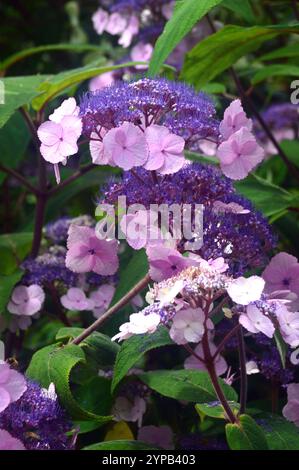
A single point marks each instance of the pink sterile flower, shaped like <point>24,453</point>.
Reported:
<point>7,442</point>
<point>188,326</point>
<point>59,140</point>
<point>102,298</point>
<point>141,53</point>
<point>289,325</point>
<point>116,24</point>
<point>192,362</point>
<point>125,410</point>
<point>239,154</point>
<point>88,253</point>
<point>244,290</point>
<point>138,325</point>
<point>100,20</point>
<point>75,299</point>
<point>217,265</point>
<point>26,300</point>
<point>126,146</point>
<point>231,207</point>
<point>291,409</point>
<point>234,118</point>
<point>101,81</point>
<point>161,436</point>
<point>140,228</point>
<point>255,321</point>
<point>67,108</point>
<point>166,262</point>
<point>282,273</point>
<point>166,150</point>
<point>12,385</point>
<point>129,32</point>
<point>96,147</point>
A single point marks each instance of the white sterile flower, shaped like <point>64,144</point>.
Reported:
<point>244,290</point>
<point>252,368</point>
<point>188,326</point>
<point>138,324</point>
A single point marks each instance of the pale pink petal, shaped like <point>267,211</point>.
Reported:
<point>7,442</point>
<point>49,133</point>
<point>4,399</point>
<point>100,19</point>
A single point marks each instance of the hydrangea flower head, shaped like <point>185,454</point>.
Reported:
<point>244,240</point>
<point>37,410</point>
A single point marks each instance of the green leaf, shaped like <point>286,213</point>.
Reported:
<point>134,349</point>
<point>291,50</point>
<point>7,284</point>
<point>134,271</point>
<point>55,364</point>
<point>13,142</point>
<point>18,91</point>
<point>215,411</point>
<point>280,434</point>
<point>96,346</point>
<point>95,396</point>
<point>93,179</point>
<point>221,50</point>
<point>60,82</point>
<point>285,70</point>
<point>214,88</point>
<point>120,445</point>
<point>189,385</point>
<point>12,59</point>
<point>266,197</point>
<point>242,8</point>
<point>13,247</point>
<point>185,16</point>
<point>291,148</point>
<point>245,435</point>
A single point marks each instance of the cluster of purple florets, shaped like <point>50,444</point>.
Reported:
<point>175,105</point>
<point>37,420</point>
<point>48,268</point>
<point>244,240</point>
<point>277,117</point>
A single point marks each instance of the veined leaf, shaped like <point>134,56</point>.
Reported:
<point>245,435</point>
<point>55,364</point>
<point>189,385</point>
<point>185,16</point>
<point>134,348</point>
<point>221,50</point>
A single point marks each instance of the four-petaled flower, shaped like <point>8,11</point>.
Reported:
<point>86,252</point>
